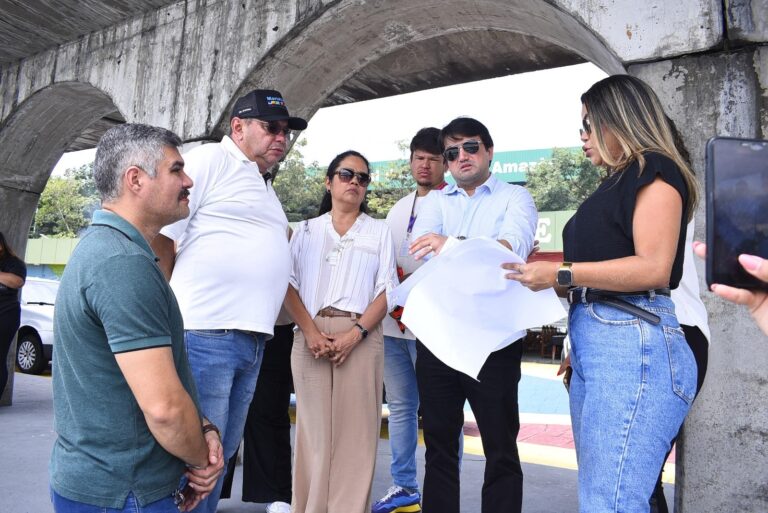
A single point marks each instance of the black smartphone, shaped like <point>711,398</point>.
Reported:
<point>737,208</point>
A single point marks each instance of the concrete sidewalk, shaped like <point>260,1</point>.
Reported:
<point>27,436</point>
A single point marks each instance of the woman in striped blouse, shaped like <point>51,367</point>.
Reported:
<point>343,267</point>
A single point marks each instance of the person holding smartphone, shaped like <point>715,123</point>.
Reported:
<point>755,300</point>
<point>634,376</point>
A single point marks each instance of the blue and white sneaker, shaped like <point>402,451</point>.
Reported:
<point>398,500</point>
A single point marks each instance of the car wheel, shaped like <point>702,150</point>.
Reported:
<point>29,354</point>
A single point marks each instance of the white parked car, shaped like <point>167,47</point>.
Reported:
<point>34,346</point>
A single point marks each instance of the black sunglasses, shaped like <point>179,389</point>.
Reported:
<point>274,128</point>
<point>452,153</point>
<point>346,175</point>
<point>586,125</point>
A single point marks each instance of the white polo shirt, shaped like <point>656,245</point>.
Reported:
<point>232,259</point>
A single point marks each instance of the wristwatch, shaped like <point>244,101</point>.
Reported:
<point>363,331</point>
<point>565,275</point>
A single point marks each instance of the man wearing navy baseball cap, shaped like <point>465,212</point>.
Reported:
<point>266,105</point>
<point>228,262</point>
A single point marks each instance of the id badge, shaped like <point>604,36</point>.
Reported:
<point>405,246</point>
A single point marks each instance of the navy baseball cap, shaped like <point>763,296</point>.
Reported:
<point>267,105</point>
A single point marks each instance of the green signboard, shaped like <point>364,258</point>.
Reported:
<point>550,229</point>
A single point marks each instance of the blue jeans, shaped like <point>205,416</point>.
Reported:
<point>632,386</point>
<point>403,402</point>
<point>225,364</point>
<point>64,505</point>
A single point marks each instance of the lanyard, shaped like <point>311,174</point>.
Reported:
<point>412,219</point>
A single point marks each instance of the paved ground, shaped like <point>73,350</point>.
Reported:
<point>546,448</point>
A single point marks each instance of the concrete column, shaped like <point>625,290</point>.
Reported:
<point>722,459</point>
<point>18,209</point>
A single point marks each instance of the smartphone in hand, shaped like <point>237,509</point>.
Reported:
<point>737,208</point>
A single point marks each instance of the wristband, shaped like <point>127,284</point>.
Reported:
<point>211,427</point>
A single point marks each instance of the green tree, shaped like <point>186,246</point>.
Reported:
<point>83,175</point>
<point>300,189</point>
<point>61,209</point>
<point>396,183</point>
<point>564,181</point>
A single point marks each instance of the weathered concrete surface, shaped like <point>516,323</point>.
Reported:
<point>180,65</point>
<point>723,457</point>
<point>31,26</point>
<point>652,30</point>
<point>761,69</point>
<point>747,20</point>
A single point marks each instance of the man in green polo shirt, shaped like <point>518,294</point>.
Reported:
<point>125,406</point>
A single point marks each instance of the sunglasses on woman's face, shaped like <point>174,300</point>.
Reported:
<point>452,153</point>
<point>586,125</point>
<point>346,175</point>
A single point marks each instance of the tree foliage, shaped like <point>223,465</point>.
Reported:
<point>562,182</point>
<point>61,209</point>
<point>66,204</point>
<point>396,183</point>
<point>300,189</point>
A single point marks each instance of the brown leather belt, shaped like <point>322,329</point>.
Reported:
<point>330,311</point>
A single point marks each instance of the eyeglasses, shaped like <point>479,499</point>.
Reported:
<point>274,128</point>
<point>452,153</point>
<point>586,125</point>
<point>346,175</point>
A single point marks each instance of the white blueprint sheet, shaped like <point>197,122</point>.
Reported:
<point>462,308</point>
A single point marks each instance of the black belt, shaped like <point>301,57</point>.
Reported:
<point>612,298</point>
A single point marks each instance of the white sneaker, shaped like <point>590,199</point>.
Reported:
<point>278,507</point>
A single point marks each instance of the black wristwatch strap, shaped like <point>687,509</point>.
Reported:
<point>363,331</point>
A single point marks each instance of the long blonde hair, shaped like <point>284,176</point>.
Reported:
<point>632,112</point>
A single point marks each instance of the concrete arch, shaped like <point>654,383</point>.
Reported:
<point>32,139</point>
<point>325,62</point>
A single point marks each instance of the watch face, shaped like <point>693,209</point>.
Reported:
<point>564,277</point>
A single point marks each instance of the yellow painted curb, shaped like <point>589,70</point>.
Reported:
<point>559,457</point>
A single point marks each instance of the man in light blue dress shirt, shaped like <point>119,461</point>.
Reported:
<point>477,206</point>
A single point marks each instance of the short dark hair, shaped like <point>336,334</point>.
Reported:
<point>327,202</point>
<point>466,127</point>
<point>428,140</point>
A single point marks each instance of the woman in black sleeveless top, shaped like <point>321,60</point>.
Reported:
<point>13,272</point>
<point>634,376</point>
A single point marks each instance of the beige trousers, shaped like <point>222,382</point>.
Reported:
<point>338,418</point>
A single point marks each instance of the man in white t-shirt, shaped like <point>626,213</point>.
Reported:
<point>230,264</point>
<point>428,170</point>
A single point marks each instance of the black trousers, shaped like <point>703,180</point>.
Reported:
<point>700,347</point>
<point>267,434</point>
<point>442,392</point>
<point>9,323</point>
